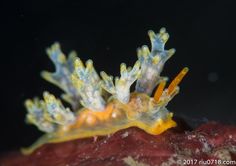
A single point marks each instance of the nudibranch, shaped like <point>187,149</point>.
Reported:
<point>101,105</point>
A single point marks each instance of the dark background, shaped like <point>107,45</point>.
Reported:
<point>109,32</point>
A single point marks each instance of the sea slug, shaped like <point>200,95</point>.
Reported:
<point>101,105</point>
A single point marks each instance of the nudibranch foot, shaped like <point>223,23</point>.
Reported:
<point>92,114</point>
<point>139,112</point>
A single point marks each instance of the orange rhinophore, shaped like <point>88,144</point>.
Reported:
<point>159,90</point>
<point>177,80</point>
<point>101,105</point>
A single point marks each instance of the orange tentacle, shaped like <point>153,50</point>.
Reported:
<point>159,90</point>
<point>177,80</point>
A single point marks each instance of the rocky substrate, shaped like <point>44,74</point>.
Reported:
<point>210,144</point>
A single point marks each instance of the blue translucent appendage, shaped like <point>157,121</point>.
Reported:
<point>152,62</point>
<point>121,89</point>
<point>56,112</point>
<point>87,83</point>
<point>37,115</point>
<point>61,77</point>
<point>47,114</point>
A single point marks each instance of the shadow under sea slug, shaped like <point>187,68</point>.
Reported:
<point>92,113</point>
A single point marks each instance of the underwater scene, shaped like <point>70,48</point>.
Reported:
<point>118,83</point>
